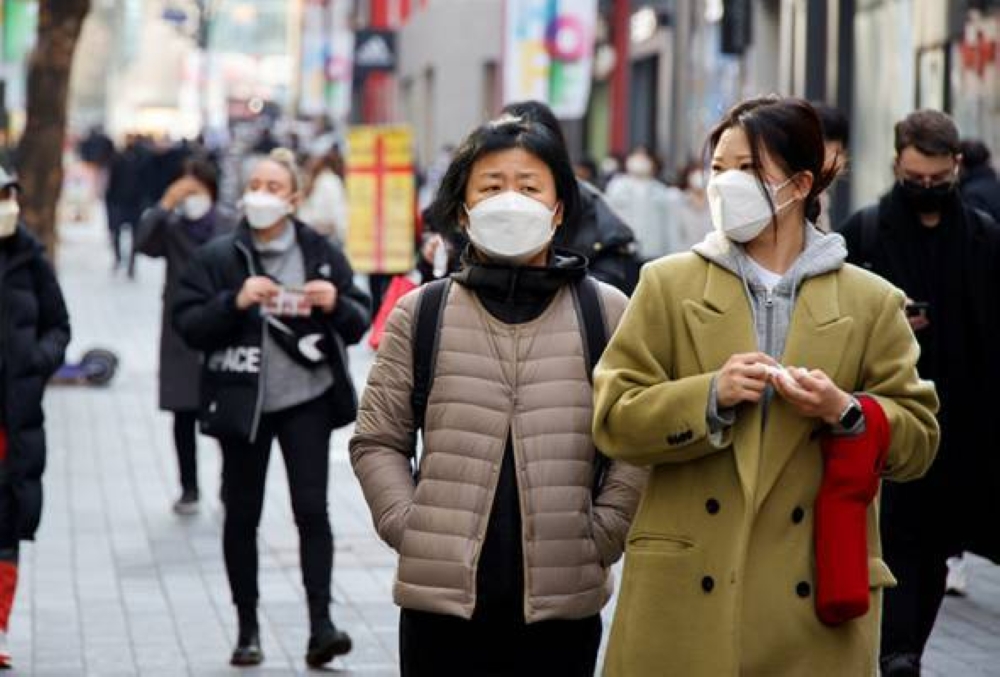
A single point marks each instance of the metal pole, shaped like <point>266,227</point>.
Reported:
<point>817,54</point>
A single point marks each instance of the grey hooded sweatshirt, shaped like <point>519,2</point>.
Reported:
<point>771,309</point>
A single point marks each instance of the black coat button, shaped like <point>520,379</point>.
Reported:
<point>712,506</point>
<point>798,515</point>
<point>803,589</point>
<point>707,584</point>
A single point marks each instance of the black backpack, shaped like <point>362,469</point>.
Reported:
<point>426,330</point>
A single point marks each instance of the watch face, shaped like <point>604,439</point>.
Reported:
<point>851,416</point>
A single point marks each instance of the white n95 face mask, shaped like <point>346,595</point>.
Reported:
<point>9,211</point>
<point>738,206</point>
<point>195,206</point>
<point>264,209</point>
<point>510,227</point>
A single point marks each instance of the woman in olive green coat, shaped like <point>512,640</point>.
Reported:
<point>729,366</point>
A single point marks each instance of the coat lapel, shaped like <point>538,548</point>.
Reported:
<point>817,338</point>
<point>720,325</point>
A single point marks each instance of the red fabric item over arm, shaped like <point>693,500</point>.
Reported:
<point>852,466</point>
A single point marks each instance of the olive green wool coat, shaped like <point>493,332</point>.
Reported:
<point>719,568</point>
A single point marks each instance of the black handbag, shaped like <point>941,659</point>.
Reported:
<point>305,340</point>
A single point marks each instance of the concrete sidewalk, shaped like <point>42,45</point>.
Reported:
<point>119,585</point>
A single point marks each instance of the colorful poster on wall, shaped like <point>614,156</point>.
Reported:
<point>549,53</point>
<point>312,64</point>
<point>19,21</point>
<point>326,59</point>
<point>381,194</point>
<point>339,70</point>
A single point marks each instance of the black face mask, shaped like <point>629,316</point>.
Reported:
<point>927,199</point>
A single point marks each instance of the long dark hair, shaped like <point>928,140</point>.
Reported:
<point>790,132</point>
<point>502,134</point>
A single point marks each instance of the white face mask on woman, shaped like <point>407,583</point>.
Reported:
<point>9,211</point>
<point>264,209</point>
<point>195,206</point>
<point>738,206</point>
<point>511,227</point>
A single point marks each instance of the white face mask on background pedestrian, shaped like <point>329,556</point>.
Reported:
<point>511,227</point>
<point>196,206</point>
<point>264,209</point>
<point>738,206</point>
<point>9,211</point>
<point>640,166</point>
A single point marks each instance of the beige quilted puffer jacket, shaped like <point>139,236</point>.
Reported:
<point>493,378</point>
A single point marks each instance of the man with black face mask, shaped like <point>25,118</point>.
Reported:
<point>945,255</point>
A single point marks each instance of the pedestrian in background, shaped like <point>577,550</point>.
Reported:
<point>980,189</point>
<point>978,180</point>
<point>648,206</point>
<point>273,307</point>
<point>33,340</point>
<point>187,216</point>
<point>836,140</point>
<point>945,255</point>
<point>124,199</point>
<point>324,203</point>
<point>505,536</point>
<point>721,567</point>
<point>586,170</point>
<point>693,218</point>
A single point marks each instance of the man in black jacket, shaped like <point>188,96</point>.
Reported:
<point>945,256</point>
<point>33,338</point>
<point>272,308</point>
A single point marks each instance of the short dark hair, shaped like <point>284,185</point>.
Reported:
<point>974,153</point>
<point>589,164</point>
<point>502,134</point>
<point>789,130</point>
<point>538,113</point>
<point>203,172</point>
<point>929,131</point>
<point>836,126</point>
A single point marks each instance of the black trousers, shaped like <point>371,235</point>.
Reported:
<point>9,541</point>
<point>916,544</point>
<point>119,219</point>
<point>185,427</point>
<point>303,433</point>
<point>378,284</point>
<point>434,645</point>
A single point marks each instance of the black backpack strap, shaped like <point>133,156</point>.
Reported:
<point>869,235</point>
<point>590,311</point>
<point>426,329</point>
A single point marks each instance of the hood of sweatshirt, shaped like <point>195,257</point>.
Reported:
<point>772,308</point>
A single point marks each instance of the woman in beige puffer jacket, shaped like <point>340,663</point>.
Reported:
<point>504,545</point>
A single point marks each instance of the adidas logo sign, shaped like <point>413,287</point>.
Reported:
<point>374,53</point>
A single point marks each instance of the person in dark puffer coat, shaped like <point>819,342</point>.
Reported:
<point>33,336</point>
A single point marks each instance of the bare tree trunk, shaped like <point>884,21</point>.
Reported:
<point>39,155</point>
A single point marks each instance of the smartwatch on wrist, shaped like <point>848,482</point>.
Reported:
<point>851,415</point>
